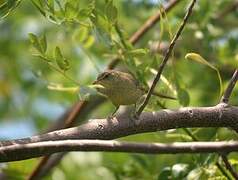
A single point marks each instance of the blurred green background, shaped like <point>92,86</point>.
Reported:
<point>86,35</point>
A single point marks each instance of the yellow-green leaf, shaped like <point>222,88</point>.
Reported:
<point>43,43</point>
<point>61,61</point>
<point>89,42</point>
<point>137,52</point>
<point>111,12</point>
<point>198,58</point>
<point>59,87</point>
<point>35,42</point>
<point>81,34</point>
<point>70,11</point>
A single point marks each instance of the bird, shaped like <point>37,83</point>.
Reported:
<point>121,88</point>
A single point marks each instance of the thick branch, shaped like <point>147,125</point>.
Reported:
<point>217,116</point>
<point>20,151</point>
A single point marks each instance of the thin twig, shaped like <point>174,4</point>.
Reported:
<point>166,57</point>
<point>223,171</point>
<point>225,98</point>
<point>229,167</point>
<point>151,21</point>
<point>42,162</point>
<point>227,10</point>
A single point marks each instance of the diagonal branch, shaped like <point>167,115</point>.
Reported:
<point>230,8</point>
<point>228,166</point>
<point>166,58</point>
<point>18,152</point>
<point>225,98</point>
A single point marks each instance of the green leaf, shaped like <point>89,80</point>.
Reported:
<point>36,43</point>
<point>199,59</point>
<point>81,34</point>
<point>101,23</point>
<point>233,161</point>
<point>165,174</point>
<point>61,61</point>
<point>39,7</point>
<point>43,43</point>
<point>60,87</point>
<point>111,12</point>
<point>70,11</point>
<point>176,136</point>
<point>179,171</point>
<point>51,5</point>
<point>183,97</point>
<point>196,57</point>
<point>89,42</point>
<point>196,174</point>
<point>86,12</point>
<point>137,52</point>
<point>7,7</point>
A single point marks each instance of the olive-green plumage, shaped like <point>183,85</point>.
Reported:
<point>120,87</point>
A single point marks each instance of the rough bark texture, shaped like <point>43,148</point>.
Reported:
<point>221,115</point>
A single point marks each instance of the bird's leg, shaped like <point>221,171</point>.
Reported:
<point>134,114</point>
<point>112,115</point>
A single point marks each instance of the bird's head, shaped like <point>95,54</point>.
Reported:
<point>106,80</point>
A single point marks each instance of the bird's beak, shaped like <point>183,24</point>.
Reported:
<point>96,85</point>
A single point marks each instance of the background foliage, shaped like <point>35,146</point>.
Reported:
<point>50,46</point>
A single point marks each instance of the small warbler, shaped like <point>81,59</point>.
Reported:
<point>121,88</point>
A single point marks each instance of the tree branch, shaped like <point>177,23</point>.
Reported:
<point>230,87</point>
<point>121,126</point>
<point>230,8</point>
<point>20,151</point>
<point>166,58</point>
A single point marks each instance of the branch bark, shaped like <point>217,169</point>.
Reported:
<point>221,115</point>
<point>20,151</point>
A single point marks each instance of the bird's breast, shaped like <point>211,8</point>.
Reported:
<point>124,95</point>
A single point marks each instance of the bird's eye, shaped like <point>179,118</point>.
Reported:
<point>106,76</point>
